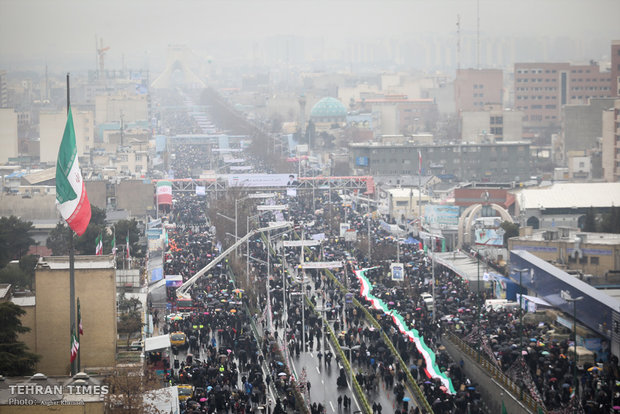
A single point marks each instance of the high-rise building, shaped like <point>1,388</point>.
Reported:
<point>541,89</point>
<point>8,134</point>
<point>615,68</point>
<point>611,143</point>
<point>52,126</point>
<point>474,89</point>
<point>4,91</point>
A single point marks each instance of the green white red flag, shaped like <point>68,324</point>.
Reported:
<point>75,345</point>
<point>164,192</point>
<point>99,245</point>
<point>71,198</point>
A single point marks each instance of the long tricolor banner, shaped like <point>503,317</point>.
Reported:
<point>432,370</point>
<point>164,192</point>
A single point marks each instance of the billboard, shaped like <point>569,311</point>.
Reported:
<point>174,280</point>
<point>361,161</point>
<point>261,180</point>
<point>442,215</point>
<point>489,237</point>
<point>398,271</point>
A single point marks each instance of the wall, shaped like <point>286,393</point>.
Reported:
<point>97,193</point>
<point>8,135</point>
<point>96,289</point>
<point>135,196</point>
<point>491,392</point>
<point>52,127</point>
<point>42,206</point>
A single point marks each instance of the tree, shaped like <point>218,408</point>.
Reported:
<point>122,227</point>
<point>14,239</point>
<point>511,229</point>
<point>15,359</point>
<point>85,244</point>
<point>590,220</point>
<point>127,389</point>
<point>58,240</point>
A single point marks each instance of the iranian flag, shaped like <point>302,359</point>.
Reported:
<point>80,327</point>
<point>164,192</point>
<point>71,198</point>
<point>75,345</point>
<point>99,245</point>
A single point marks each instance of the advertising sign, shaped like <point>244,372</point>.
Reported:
<point>361,161</point>
<point>343,228</point>
<point>441,215</point>
<point>398,271</point>
<point>489,237</point>
<point>350,235</point>
<point>261,180</point>
<point>174,280</point>
<point>320,265</point>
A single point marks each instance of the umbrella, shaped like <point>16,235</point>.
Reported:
<point>406,399</point>
<point>595,369</point>
<point>523,352</point>
<point>282,374</point>
<point>233,310</point>
<point>203,399</point>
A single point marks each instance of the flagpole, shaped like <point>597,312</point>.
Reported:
<point>71,258</point>
<point>78,334</point>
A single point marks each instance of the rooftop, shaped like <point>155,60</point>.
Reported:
<point>610,239</point>
<point>81,262</point>
<point>570,195</point>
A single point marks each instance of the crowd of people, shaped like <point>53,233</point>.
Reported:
<point>228,374</point>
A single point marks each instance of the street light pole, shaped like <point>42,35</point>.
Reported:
<point>564,294</point>
<point>521,305</point>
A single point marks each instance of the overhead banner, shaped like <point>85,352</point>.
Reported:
<point>291,192</point>
<point>275,207</point>
<point>489,237</point>
<point>164,192</point>
<point>240,168</point>
<point>261,180</point>
<point>343,228</point>
<point>262,195</point>
<point>300,243</point>
<point>200,190</point>
<point>320,265</point>
<point>398,271</point>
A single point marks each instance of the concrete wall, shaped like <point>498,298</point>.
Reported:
<point>8,135</point>
<point>40,206</point>
<point>135,196</point>
<point>96,289</point>
<point>97,193</point>
<point>491,391</point>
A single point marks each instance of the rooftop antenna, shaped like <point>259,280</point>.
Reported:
<point>458,42</point>
<point>478,34</point>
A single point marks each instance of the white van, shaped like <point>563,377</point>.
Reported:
<point>428,300</point>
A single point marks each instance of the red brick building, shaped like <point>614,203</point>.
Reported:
<point>542,88</point>
<point>615,68</point>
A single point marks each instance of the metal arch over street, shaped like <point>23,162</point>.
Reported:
<point>364,183</point>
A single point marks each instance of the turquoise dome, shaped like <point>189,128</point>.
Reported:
<point>328,109</point>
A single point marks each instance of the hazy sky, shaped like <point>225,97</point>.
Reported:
<point>52,30</point>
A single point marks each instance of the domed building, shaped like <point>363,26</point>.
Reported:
<point>328,111</point>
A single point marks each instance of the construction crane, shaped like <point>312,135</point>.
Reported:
<point>101,53</point>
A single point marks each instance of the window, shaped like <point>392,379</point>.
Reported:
<point>583,260</point>
<point>594,260</point>
<point>402,203</point>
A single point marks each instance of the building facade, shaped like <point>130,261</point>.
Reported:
<point>9,143</point>
<point>52,127</point>
<point>541,89</point>
<point>95,286</point>
<point>582,124</point>
<point>615,67</point>
<point>489,126</point>
<point>589,253</point>
<point>476,88</point>
<point>611,143</point>
<point>502,161</point>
